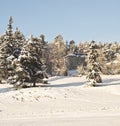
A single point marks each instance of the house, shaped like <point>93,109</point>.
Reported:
<point>72,61</point>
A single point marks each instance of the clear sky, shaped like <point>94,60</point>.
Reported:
<point>79,20</point>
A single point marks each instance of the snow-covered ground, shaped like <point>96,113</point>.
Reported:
<point>65,101</point>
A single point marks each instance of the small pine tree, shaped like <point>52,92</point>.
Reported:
<point>93,66</point>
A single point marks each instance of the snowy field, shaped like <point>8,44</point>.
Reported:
<point>65,101</point>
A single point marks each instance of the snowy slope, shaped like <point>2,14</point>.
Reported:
<point>65,98</point>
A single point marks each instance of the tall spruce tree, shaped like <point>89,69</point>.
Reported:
<point>6,50</point>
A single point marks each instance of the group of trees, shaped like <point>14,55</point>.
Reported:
<point>26,60</point>
<point>21,60</point>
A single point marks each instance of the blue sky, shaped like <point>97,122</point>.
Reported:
<point>79,20</point>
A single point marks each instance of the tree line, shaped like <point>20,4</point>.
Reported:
<point>31,59</point>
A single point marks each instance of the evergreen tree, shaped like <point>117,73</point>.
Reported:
<point>6,50</point>
<point>10,48</point>
<point>93,66</point>
<point>29,67</point>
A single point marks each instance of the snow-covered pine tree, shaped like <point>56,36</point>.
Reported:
<point>11,44</point>
<point>6,50</point>
<point>93,66</point>
<point>29,67</point>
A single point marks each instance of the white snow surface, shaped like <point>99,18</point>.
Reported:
<point>65,101</point>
